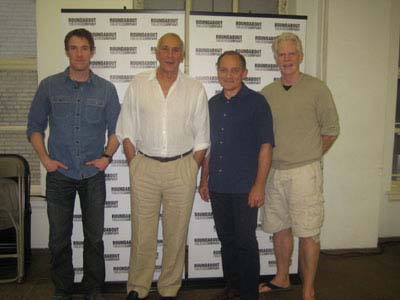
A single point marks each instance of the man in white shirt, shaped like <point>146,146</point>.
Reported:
<point>164,129</point>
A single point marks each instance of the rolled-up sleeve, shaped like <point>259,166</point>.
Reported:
<point>201,123</point>
<point>127,120</point>
<point>112,110</point>
<point>39,110</point>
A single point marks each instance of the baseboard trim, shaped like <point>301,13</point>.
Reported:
<point>373,250</point>
<point>385,240</point>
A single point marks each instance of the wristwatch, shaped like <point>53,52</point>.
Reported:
<point>108,156</point>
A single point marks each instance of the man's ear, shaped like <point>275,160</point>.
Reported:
<point>244,75</point>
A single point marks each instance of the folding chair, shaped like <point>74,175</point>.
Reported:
<point>12,210</point>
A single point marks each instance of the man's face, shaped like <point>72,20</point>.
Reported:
<point>231,73</point>
<point>170,54</point>
<point>79,54</point>
<point>288,58</point>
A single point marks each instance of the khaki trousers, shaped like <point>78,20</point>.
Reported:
<point>172,185</point>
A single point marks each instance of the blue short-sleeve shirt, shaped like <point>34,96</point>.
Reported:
<point>238,128</point>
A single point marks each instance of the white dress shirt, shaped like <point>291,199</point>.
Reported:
<point>164,126</point>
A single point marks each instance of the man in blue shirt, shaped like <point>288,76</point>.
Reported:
<point>234,173</point>
<point>80,107</point>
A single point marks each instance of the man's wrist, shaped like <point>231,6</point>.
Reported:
<point>109,157</point>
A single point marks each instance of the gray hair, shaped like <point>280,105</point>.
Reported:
<point>170,34</point>
<point>286,36</point>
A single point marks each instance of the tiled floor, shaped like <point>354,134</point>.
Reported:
<point>340,277</point>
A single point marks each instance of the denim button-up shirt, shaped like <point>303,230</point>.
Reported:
<point>78,114</point>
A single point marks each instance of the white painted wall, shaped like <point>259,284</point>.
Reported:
<point>389,217</point>
<point>50,40</point>
<point>361,70</point>
<point>39,224</point>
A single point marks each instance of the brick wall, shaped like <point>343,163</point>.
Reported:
<point>17,89</point>
<point>17,28</point>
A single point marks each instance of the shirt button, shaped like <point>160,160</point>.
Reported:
<point>220,157</point>
<point>220,171</point>
<point>224,115</point>
<point>222,129</point>
<point>221,142</point>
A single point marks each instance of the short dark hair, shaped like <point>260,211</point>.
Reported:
<point>235,53</point>
<point>82,33</point>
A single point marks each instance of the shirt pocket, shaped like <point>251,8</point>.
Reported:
<point>93,109</point>
<point>62,106</point>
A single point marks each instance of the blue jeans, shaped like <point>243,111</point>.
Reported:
<point>61,193</point>
<point>236,225</point>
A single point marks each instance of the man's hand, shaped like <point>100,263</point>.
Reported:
<point>256,196</point>
<point>53,165</point>
<point>100,163</point>
<point>203,191</point>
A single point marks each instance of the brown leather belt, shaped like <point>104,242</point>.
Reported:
<point>166,159</point>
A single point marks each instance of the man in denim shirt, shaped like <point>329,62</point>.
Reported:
<point>80,107</point>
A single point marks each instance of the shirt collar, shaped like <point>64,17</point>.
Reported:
<point>243,92</point>
<point>153,75</point>
<point>91,80</point>
<point>298,80</point>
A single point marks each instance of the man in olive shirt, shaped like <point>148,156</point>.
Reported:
<point>305,126</point>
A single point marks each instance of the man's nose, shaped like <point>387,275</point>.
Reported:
<point>169,52</point>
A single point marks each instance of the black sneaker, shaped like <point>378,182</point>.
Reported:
<point>133,295</point>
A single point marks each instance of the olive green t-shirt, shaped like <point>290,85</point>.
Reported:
<point>300,116</point>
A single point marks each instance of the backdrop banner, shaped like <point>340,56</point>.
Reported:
<point>125,45</point>
<point>210,35</point>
